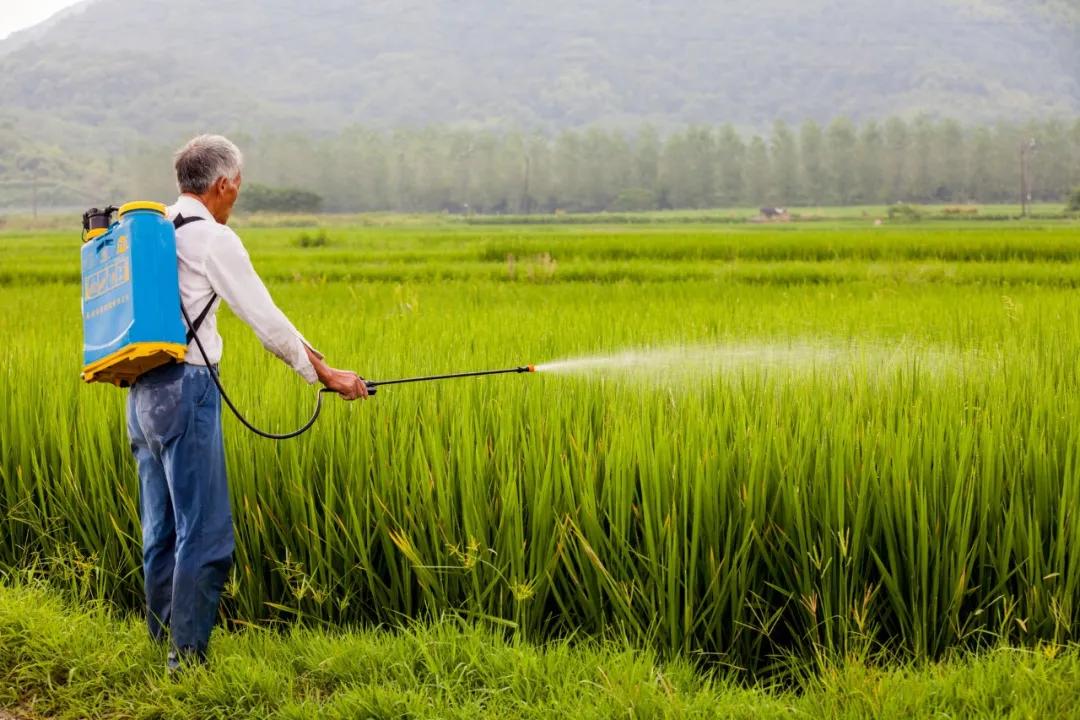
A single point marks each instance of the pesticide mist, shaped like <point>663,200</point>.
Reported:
<point>688,363</point>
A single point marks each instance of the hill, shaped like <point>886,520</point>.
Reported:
<point>157,69</point>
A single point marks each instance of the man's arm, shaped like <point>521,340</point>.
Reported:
<point>231,274</point>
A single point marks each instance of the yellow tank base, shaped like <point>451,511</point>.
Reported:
<point>124,366</point>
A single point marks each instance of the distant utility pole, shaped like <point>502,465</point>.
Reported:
<point>1027,148</point>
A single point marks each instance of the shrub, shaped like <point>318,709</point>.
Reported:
<point>1073,205</point>
<point>905,212</point>
<point>314,239</point>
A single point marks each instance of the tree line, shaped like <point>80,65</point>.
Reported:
<point>485,171</point>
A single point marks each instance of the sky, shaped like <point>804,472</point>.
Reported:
<point>19,14</point>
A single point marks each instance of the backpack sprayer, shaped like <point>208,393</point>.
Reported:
<point>133,320</point>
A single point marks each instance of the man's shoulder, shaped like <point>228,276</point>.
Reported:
<point>223,243</point>
<point>206,226</point>
<point>226,233</point>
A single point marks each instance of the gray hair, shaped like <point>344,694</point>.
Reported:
<point>203,160</point>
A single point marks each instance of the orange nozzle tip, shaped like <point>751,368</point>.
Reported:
<point>532,368</point>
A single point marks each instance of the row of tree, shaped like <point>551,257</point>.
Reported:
<point>842,163</point>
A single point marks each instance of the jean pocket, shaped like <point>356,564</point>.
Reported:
<point>204,388</point>
<point>160,406</point>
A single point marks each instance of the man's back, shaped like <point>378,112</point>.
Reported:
<point>213,263</point>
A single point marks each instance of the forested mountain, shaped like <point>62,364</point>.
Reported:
<point>108,77</point>
<point>137,68</point>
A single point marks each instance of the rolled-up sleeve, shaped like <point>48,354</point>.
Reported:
<point>233,277</point>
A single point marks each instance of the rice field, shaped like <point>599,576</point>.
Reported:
<point>747,446</point>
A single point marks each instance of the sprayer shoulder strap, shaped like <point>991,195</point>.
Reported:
<point>178,223</point>
<point>199,320</point>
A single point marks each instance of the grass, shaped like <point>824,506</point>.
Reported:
<point>750,517</point>
<point>63,660</point>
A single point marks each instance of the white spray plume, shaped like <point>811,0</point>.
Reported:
<point>686,362</point>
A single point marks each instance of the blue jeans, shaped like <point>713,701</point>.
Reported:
<point>174,422</point>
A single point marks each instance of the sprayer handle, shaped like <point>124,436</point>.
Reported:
<point>371,389</point>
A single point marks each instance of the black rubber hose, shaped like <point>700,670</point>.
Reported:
<point>371,387</point>
<point>224,396</point>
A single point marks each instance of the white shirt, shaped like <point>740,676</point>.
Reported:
<point>211,258</point>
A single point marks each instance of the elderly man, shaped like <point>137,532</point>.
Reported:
<point>174,412</point>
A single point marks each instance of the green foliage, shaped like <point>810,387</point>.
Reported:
<point>634,199</point>
<point>470,172</point>
<point>904,212</point>
<point>697,168</point>
<point>261,198</point>
<point>855,437</point>
<point>314,239</point>
<point>1073,204</point>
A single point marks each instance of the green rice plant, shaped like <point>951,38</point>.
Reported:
<point>883,462</point>
<point>1036,253</point>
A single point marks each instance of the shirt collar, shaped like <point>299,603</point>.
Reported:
<point>190,206</point>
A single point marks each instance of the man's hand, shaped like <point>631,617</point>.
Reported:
<point>345,383</point>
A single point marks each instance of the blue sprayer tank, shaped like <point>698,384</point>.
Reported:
<point>130,294</point>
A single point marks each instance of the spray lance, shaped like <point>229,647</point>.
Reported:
<point>372,388</point>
